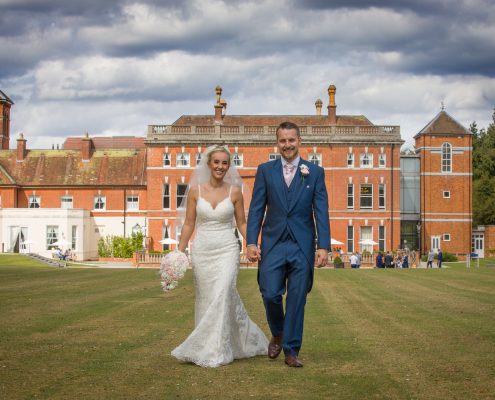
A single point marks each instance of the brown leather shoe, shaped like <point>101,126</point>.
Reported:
<point>275,347</point>
<point>293,361</point>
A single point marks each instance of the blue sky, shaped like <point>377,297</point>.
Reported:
<point>112,67</point>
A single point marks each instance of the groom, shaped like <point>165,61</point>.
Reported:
<point>292,192</point>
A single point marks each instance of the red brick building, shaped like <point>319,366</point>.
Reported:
<point>124,183</point>
<point>361,162</point>
<point>445,149</point>
<point>107,183</point>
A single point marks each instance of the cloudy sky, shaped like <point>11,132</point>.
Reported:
<point>112,67</point>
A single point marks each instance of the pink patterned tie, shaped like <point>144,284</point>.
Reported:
<point>288,170</point>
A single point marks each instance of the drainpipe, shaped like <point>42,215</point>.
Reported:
<point>392,203</point>
<point>125,207</point>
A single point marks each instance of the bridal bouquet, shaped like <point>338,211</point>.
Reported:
<point>172,269</point>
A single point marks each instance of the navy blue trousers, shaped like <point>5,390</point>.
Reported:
<point>285,269</point>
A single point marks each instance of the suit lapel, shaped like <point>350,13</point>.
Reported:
<point>279,182</point>
<point>298,184</point>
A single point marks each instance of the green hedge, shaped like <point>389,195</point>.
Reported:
<point>447,257</point>
<point>119,246</point>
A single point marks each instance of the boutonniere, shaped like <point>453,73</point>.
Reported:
<point>303,168</point>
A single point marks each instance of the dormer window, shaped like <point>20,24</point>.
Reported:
<point>34,202</point>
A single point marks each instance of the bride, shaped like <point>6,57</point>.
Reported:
<point>223,330</point>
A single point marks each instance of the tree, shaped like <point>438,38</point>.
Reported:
<point>484,173</point>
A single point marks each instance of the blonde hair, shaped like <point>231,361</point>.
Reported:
<point>218,149</point>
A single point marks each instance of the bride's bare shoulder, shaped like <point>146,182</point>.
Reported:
<point>236,192</point>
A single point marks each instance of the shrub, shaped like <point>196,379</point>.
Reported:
<point>447,257</point>
<point>337,260</point>
<point>366,253</point>
<point>119,246</point>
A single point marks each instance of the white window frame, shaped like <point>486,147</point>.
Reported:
<point>446,157</point>
<point>274,156</point>
<point>446,194</point>
<point>132,205</point>
<point>73,237</point>
<point>103,200</point>
<point>183,160</point>
<point>51,238</point>
<point>34,201</point>
<point>166,195</point>
<point>446,237</point>
<point>350,160</point>
<point>381,196</point>
<point>167,159</point>
<point>382,160</point>
<point>350,239</point>
<point>315,158</point>
<point>350,195</point>
<point>368,157</point>
<point>238,159</point>
<point>365,247</point>
<point>178,199</point>
<point>382,241</point>
<point>361,197</point>
<point>166,235</point>
<point>66,202</point>
<point>198,157</point>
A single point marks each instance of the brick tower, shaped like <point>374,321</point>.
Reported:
<point>445,149</point>
<point>5,104</point>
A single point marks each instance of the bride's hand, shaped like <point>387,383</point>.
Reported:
<point>253,253</point>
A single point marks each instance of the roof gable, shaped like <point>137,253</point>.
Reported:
<point>5,98</point>
<point>443,124</point>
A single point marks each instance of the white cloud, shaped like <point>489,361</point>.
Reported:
<point>145,62</point>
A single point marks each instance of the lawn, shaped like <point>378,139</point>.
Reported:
<point>369,334</point>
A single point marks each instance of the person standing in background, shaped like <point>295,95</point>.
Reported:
<point>440,258</point>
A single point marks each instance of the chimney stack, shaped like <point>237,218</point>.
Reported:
<point>5,104</point>
<point>21,148</point>
<point>220,106</point>
<point>332,108</point>
<point>319,105</point>
<point>87,145</point>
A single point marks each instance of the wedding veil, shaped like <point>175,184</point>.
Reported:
<point>201,174</point>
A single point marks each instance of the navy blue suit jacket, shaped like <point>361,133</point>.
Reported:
<point>306,216</point>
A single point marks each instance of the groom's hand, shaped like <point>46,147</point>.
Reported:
<point>321,258</point>
<point>253,253</point>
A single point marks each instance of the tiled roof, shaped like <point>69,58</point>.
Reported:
<point>65,167</point>
<point>272,120</point>
<point>443,124</point>
<point>4,97</point>
<point>112,142</point>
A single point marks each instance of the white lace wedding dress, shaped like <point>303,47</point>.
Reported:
<point>223,330</point>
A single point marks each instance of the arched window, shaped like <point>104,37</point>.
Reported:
<point>446,157</point>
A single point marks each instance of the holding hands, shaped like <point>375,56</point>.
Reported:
<point>253,253</point>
